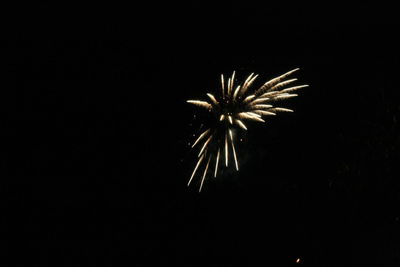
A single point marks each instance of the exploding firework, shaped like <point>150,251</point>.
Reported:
<point>231,109</point>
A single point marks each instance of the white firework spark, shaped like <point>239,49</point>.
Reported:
<point>234,106</point>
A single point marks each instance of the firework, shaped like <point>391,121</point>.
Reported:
<point>232,108</point>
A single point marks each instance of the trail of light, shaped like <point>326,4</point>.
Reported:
<point>271,94</point>
<point>248,98</point>
<point>213,99</point>
<point>233,149</point>
<point>252,114</point>
<point>283,109</point>
<point>294,88</point>
<point>230,119</point>
<point>216,164</point>
<point>195,168</point>
<point>267,86</point>
<point>284,96</point>
<point>236,92</point>
<point>241,124</point>
<point>222,86</point>
<point>226,149</point>
<point>205,172</point>
<point>229,87</point>
<point>259,100</point>
<point>245,86</point>
<point>281,84</point>
<point>199,103</point>
<point>245,115</point>
<point>232,82</point>
<point>252,80</point>
<point>201,136</point>
<point>255,118</point>
<point>263,112</point>
<point>205,144</point>
<point>222,117</point>
<point>247,80</point>
<point>261,106</point>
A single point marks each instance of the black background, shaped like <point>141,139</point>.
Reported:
<point>95,156</point>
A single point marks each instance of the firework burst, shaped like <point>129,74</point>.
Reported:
<point>232,108</point>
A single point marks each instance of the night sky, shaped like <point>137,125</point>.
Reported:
<point>95,130</point>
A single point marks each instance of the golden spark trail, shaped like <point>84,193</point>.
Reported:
<point>229,87</point>
<point>251,81</point>
<point>236,92</point>
<point>222,86</point>
<point>267,86</point>
<point>232,81</point>
<point>205,144</point>
<point>201,137</point>
<point>282,84</point>
<point>282,109</point>
<point>241,124</point>
<point>200,103</point>
<point>205,172</point>
<point>247,99</point>
<point>233,148</point>
<point>266,113</point>
<point>216,164</point>
<point>195,169</point>
<point>230,119</point>
<point>261,106</point>
<point>260,100</point>
<point>284,96</point>
<point>215,102</point>
<point>226,149</point>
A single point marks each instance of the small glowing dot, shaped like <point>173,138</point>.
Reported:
<point>298,260</point>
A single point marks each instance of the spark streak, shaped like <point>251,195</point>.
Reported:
<point>215,102</point>
<point>216,164</point>
<point>205,172</point>
<point>201,136</point>
<point>195,169</point>
<point>229,86</point>
<point>230,119</point>
<point>233,149</point>
<point>203,104</point>
<point>205,144</point>
<point>241,124</point>
<point>222,86</point>
<point>236,92</point>
<point>247,99</point>
<point>226,149</point>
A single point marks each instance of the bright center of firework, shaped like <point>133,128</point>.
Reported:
<point>232,107</point>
